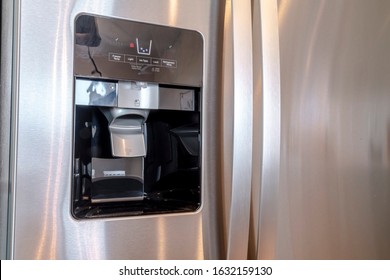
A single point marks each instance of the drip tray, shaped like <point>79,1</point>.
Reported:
<point>116,190</point>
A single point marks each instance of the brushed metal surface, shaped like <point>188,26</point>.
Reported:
<point>7,10</point>
<point>44,228</point>
<point>129,92</point>
<point>176,99</point>
<point>266,155</point>
<point>334,194</point>
<point>227,119</point>
<point>238,234</point>
<point>257,155</point>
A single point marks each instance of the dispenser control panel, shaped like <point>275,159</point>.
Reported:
<point>111,48</point>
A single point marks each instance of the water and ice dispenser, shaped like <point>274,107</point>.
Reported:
<point>137,118</point>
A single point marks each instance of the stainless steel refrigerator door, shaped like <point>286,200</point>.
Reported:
<point>266,128</point>
<point>240,118</point>
<point>5,120</point>
<point>44,227</point>
<point>333,200</point>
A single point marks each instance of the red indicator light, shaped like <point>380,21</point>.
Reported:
<point>132,45</point>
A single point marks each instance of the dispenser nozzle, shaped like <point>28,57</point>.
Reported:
<point>126,131</point>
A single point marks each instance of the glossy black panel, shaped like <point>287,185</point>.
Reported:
<point>125,50</point>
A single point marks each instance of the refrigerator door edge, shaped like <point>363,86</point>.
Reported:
<point>8,107</point>
<point>266,130</point>
<point>238,228</point>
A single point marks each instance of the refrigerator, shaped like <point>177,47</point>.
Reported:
<point>251,129</point>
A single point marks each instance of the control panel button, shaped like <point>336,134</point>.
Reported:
<point>169,63</point>
<point>143,60</point>
<point>117,57</point>
<point>156,61</point>
<point>130,59</point>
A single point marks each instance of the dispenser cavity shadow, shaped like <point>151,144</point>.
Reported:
<point>137,118</point>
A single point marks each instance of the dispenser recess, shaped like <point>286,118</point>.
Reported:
<point>137,112</point>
